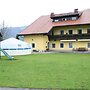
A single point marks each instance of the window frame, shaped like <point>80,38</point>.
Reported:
<point>61,45</point>
<point>88,32</point>
<point>70,45</point>
<point>34,45</point>
<point>69,31</point>
<point>88,44</point>
<point>79,30</point>
<point>61,32</point>
<point>53,45</point>
<point>74,18</point>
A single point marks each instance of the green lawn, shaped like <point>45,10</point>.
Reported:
<point>61,70</point>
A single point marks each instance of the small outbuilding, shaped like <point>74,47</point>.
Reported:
<point>15,47</point>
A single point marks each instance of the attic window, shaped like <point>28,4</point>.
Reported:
<point>64,19</point>
<point>74,18</point>
<point>55,20</point>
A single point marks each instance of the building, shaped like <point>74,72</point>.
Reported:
<point>15,47</point>
<point>63,32</point>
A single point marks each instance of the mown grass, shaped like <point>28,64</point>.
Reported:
<point>62,70</point>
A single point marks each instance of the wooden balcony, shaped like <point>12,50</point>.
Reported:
<point>69,37</point>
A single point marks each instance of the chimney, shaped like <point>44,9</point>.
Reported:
<point>75,10</point>
<point>51,15</point>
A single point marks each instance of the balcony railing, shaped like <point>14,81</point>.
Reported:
<point>69,36</point>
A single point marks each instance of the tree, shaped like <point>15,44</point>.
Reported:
<point>3,30</point>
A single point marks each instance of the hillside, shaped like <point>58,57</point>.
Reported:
<point>12,32</point>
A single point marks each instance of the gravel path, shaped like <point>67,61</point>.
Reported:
<point>20,89</point>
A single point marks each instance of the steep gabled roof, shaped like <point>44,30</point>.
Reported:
<point>44,23</point>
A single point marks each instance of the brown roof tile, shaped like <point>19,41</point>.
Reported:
<point>44,23</point>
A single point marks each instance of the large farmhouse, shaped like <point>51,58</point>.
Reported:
<point>65,31</point>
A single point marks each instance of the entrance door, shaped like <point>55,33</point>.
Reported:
<point>48,46</point>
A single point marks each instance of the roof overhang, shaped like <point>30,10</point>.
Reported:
<point>32,34</point>
<point>72,24</point>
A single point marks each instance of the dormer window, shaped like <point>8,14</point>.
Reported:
<point>65,16</point>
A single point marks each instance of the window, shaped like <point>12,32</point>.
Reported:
<point>61,45</point>
<point>70,31</point>
<point>62,32</point>
<point>33,45</point>
<point>88,30</point>
<point>70,45</point>
<point>53,45</point>
<point>64,19</point>
<point>56,20</point>
<point>69,18</point>
<point>48,45</point>
<point>74,18</point>
<point>79,31</point>
<point>89,45</point>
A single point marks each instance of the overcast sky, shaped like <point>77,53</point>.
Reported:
<point>24,12</point>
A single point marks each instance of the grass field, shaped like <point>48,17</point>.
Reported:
<point>61,70</point>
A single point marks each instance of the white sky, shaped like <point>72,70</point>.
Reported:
<point>24,12</point>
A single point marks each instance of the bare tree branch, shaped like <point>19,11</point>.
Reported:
<point>3,30</point>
